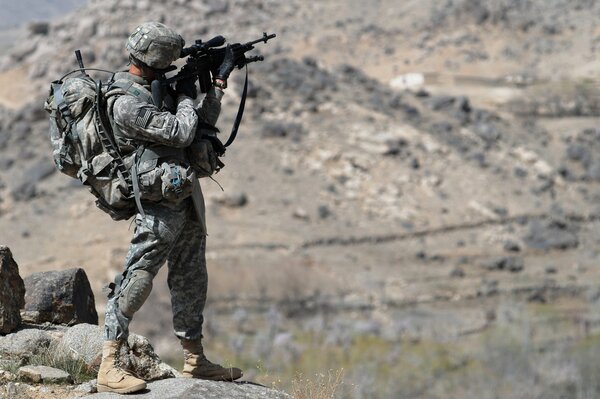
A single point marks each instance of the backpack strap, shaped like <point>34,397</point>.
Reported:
<point>136,90</point>
<point>133,89</point>
<point>108,141</point>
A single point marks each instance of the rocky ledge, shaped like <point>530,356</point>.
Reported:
<point>189,388</point>
<point>48,347</point>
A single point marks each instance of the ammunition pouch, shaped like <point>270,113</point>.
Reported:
<point>204,152</point>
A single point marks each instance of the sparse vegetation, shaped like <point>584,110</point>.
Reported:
<point>559,99</point>
<point>59,357</point>
<point>321,386</point>
<point>522,355</point>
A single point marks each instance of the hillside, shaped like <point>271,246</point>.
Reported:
<point>421,239</point>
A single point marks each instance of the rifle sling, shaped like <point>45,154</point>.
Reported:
<point>240,113</point>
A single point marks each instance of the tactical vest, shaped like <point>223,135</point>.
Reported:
<point>159,173</point>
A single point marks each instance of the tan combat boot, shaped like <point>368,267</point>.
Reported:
<point>112,378</point>
<point>198,366</point>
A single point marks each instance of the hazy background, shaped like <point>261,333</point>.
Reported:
<point>412,199</point>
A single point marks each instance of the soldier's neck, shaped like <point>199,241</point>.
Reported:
<point>142,72</point>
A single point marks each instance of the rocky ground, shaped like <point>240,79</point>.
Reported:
<point>422,231</point>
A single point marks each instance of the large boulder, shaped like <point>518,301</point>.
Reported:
<point>24,343</point>
<point>12,292</point>
<point>59,297</point>
<point>85,342</point>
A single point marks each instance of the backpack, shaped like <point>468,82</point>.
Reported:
<point>83,144</point>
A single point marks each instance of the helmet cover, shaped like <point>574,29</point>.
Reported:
<point>155,44</point>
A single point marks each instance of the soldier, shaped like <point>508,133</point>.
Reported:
<point>170,229</point>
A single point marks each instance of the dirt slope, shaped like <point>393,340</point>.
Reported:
<point>358,218</point>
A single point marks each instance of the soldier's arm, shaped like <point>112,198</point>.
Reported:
<point>210,108</point>
<point>141,121</point>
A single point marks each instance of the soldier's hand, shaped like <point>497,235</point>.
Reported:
<point>186,87</point>
<point>226,66</point>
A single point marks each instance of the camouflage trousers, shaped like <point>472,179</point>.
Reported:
<point>169,234</point>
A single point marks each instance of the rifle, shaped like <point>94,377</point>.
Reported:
<point>202,59</point>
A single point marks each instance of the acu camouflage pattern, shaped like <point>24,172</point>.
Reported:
<point>170,231</point>
<point>77,145</point>
<point>169,234</point>
<point>155,44</point>
<point>142,123</point>
<point>138,122</point>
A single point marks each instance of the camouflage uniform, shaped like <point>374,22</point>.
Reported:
<point>170,231</point>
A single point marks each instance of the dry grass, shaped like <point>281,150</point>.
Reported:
<point>59,357</point>
<point>323,386</point>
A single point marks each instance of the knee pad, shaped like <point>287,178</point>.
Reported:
<point>135,292</point>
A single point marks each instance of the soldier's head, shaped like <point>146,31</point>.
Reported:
<point>153,46</point>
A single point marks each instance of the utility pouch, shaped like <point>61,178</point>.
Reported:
<point>203,157</point>
<point>204,152</point>
<point>164,175</point>
<point>176,181</point>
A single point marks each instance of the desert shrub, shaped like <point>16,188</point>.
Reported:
<point>322,386</point>
<point>60,357</point>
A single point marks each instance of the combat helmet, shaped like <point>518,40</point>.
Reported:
<point>155,45</point>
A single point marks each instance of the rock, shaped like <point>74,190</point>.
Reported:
<point>593,172</point>
<point>87,387</point>
<point>6,375</point>
<point>488,288</point>
<point>12,292</point>
<point>59,297</point>
<point>488,132</point>
<point>438,103</point>
<point>139,356</point>
<point>520,172</point>
<point>537,296</point>
<point>457,272</point>
<point>550,270</point>
<point>200,389</point>
<point>283,129</point>
<point>216,7</point>
<point>551,234</point>
<point>87,27</point>
<point>21,129</point>
<point>236,200</point>
<point>38,172</point>
<point>38,28</point>
<point>85,342</point>
<point>323,211</point>
<point>31,112</point>
<point>300,213</point>
<point>24,342</point>
<point>511,263</point>
<point>24,192</point>
<point>45,374</point>
<point>11,390</point>
<point>511,246</point>
<point>578,152</point>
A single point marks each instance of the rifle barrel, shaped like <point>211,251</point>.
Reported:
<point>263,39</point>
